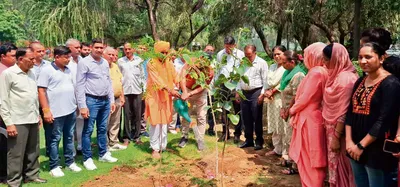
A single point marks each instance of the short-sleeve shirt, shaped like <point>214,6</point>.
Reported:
<point>60,89</point>
<point>133,75</point>
<point>38,68</point>
<point>116,79</point>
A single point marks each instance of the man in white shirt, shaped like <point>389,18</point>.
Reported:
<point>20,112</point>
<point>39,52</point>
<point>75,46</point>
<point>132,82</point>
<point>56,81</point>
<point>254,92</point>
<point>233,58</point>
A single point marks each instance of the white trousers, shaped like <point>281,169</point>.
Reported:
<point>158,137</point>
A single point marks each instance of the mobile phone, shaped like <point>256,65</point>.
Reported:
<point>391,147</point>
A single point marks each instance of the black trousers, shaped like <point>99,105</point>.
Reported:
<point>47,132</point>
<point>3,153</point>
<point>252,116</point>
<point>225,119</point>
<point>132,117</point>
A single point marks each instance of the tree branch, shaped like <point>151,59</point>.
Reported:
<point>324,28</point>
<point>193,36</point>
<point>262,38</point>
<point>139,6</point>
<point>197,6</point>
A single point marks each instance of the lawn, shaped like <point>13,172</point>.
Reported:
<point>135,156</point>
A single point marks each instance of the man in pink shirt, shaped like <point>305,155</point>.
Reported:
<point>7,59</point>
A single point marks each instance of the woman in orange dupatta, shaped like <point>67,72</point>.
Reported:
<point>337,94</point>
<point>308,146</point>
<point>161,81</point>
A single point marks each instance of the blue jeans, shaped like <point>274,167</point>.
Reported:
<point>99,110</point>
<point>369,177</point>
<point>62,126</point>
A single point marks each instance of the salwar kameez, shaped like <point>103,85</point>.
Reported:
<point>308,143</point>
<point>276,124</point>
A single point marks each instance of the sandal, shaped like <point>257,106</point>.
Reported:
<point>284,163</point>
<point>272,153</point>
<point>289,171</point>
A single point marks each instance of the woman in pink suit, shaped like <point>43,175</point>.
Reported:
<point>308,144</point>
<point>337,94</point>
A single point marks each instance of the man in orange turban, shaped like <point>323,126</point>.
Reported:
<point>161,81</point>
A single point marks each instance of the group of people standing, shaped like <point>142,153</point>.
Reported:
<point>333,124</point>
<point>324,119</point>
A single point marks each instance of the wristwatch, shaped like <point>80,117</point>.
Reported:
<point>360,146</point>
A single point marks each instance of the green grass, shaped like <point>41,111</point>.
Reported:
<point>135,156</point>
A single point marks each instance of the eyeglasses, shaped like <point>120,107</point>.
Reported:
<point>164,52</point>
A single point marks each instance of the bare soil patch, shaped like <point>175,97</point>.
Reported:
<point>242,167</point>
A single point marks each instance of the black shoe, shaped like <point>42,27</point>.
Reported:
<point>182,142</point>
<point>246,144</point>
<point>258,147</point>
<point>211,132</point>
<point>236,139</point>
<point>145,134</point>
<point>38,180</point>
<point>222,138</point>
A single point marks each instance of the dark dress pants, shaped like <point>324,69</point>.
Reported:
<point>132,117</point>
<point>252,117</point>
<point>23,154</point>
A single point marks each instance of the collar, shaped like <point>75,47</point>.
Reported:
<point>16,69</point>
<point>93,60</point>
<point>43,62</point>
<point>255,61</point>
<point>56,67</point>
<point>133,59</point>
<point>71,59</point>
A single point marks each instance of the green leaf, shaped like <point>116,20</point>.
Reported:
<point>234,118</point>
<point>245,79</point>
<point>231,86</point>
<point>240,92</point>
<point>218,110</point>
<point>228,105</point>
<point>240,70</point>
<point>186,57</point>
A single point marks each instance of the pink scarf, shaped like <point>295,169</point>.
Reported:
<point>314,62</point>
<point>338,89</point>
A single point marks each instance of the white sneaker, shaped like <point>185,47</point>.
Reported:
<point>173,131</point>
<point>89,165</point>
<point>74,168</point>
<point>57,172</point>
<point>117,147</point>
<point>107,158</point>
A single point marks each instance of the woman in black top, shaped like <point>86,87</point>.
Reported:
<point>372,117</point>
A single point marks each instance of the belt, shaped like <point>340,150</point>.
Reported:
<point>251,91</point>
<point>97,97</point>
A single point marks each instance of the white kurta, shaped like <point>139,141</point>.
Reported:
<point>275,123</point>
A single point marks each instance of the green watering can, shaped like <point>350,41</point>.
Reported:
<point>182,108</point>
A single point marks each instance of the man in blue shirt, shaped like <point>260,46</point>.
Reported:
<point>56,81</point>
<point>95,101</point>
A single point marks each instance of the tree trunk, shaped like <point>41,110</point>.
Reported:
<point>198,31</point>
<point>263,39</point>
<point>176,40</point>
<point>152,20</point>
<point>279,34</point>
<point>356,28</point>
<point>287,36</point>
